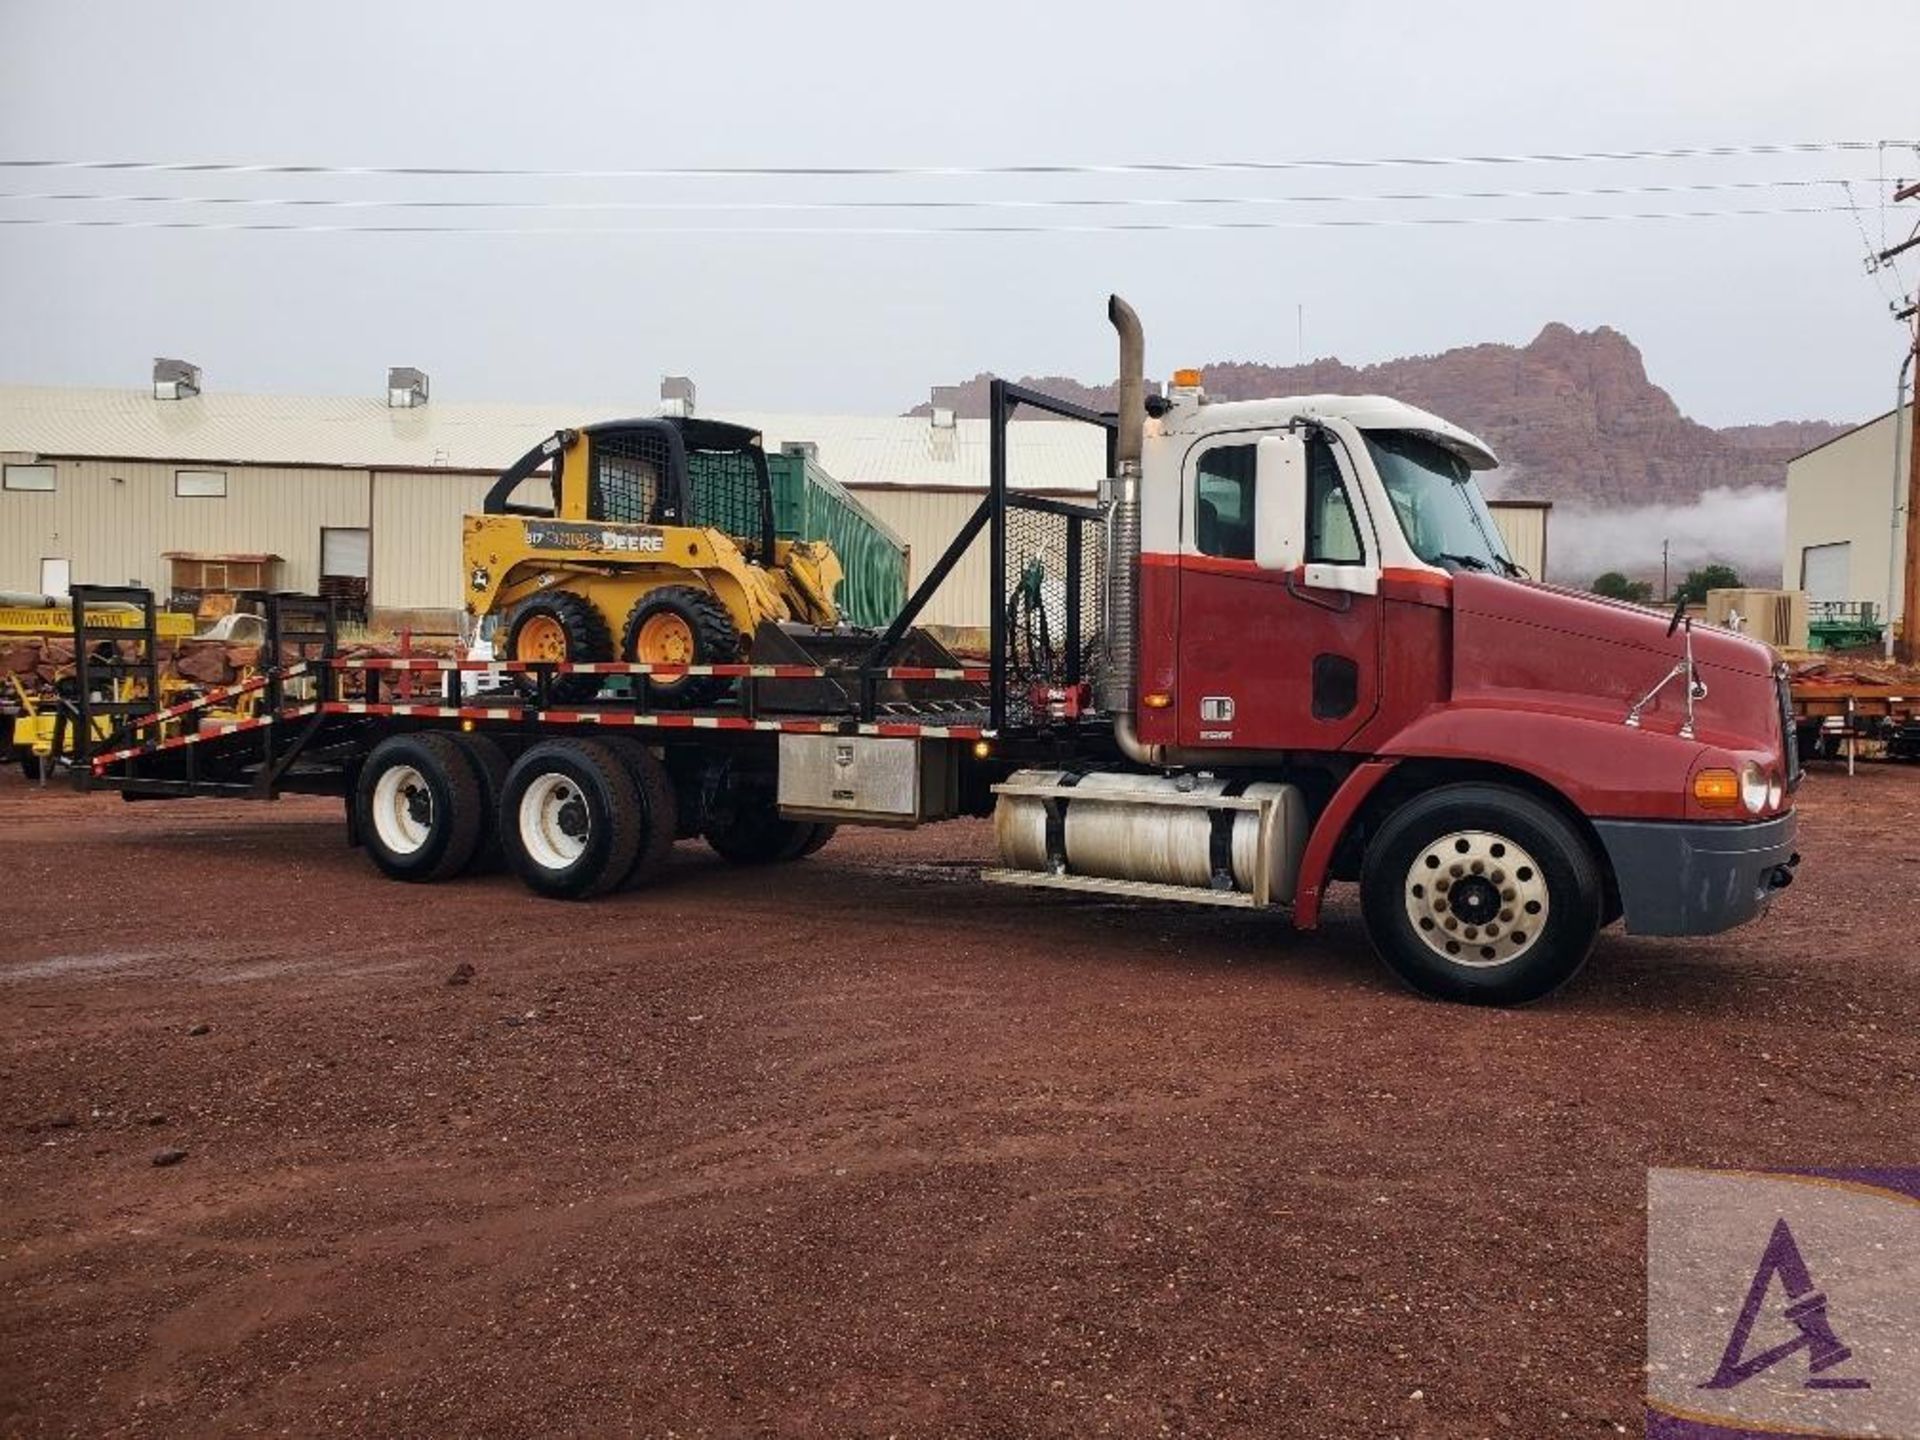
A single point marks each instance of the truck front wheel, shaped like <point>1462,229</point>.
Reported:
<point>1481,893</point>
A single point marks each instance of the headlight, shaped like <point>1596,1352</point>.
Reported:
<point>1753,787</point>
<point>1776,792</point>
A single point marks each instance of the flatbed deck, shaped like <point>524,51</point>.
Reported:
<point>196,725</point>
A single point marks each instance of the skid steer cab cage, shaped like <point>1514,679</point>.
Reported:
<point>669,471</point>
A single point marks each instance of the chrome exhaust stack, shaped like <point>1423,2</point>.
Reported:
<point>1119,678</point>
<point>1120,624</point>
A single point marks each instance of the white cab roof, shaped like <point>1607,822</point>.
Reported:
<point>1365,412</point>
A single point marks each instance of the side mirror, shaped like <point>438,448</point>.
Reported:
<point>1280,501</point>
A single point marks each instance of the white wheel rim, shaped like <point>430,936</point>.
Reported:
<point>1476,899</point>
<point>554,822</point>
<point>402,809</point>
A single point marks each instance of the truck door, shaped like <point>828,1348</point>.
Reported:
<point>1274,659</point>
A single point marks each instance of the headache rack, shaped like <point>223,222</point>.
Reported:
<point>1047,566</point>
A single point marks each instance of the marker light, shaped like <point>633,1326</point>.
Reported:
<point>981,749</point>
<point>1716,787</point>
<point>1187,379</point>
<point>1156,700</point>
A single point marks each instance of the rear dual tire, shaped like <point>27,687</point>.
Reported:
<point>578,818</point>
<point>422,806</point>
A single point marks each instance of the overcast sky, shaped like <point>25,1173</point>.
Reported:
<point>1743,319</point>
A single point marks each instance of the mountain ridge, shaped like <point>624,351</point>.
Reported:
<point>1572,415</point>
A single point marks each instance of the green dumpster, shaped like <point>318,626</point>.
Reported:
<point>809,504</point>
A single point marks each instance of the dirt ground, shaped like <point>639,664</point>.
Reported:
<point>860,1146</point>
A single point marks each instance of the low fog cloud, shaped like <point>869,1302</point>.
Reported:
<point>1741,528</point>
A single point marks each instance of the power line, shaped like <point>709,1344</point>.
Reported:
<point>1048,203</point>
<point>1149,167</point>
<point>1143,226</point>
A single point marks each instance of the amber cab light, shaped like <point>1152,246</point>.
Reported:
<point>1716,787</point>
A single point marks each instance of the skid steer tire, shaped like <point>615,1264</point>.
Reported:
<point>759,835</point>
<point>490,764</point>
<point>659,806</point>
<point>694,624</point>
<point>570,821</point>
<point>573,631</point>
<point>817,841</point>
<point>420,808</point>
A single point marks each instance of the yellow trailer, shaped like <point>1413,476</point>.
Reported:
<point>34,708</point>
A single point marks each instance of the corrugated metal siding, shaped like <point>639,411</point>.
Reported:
<point>114,519</point>
<point>1843,492</point>
<point>928,520</point>
<point>416,537</point>
<point>300,430</point>
<point>1524,528</point>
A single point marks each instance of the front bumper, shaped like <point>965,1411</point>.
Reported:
<point>1697,877</point>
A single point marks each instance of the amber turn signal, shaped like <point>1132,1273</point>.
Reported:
<point>1716,787</point>
<point>1156,700</point>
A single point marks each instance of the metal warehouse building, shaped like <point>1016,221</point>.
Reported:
<point>112,486</point>
<point>1846,519</point>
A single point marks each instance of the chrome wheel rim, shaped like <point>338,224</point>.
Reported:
<point>554,823</point>
<point>1476,899</point>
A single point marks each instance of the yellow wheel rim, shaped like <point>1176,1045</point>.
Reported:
<point>664,639</point>
<point>541,638</point>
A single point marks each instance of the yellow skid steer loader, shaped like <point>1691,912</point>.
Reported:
<point>657,545</point>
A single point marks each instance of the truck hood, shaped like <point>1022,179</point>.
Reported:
<point>1529,644</point>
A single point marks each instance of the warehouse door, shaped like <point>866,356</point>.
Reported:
<point>346,562</point>
<point>1824,571</point>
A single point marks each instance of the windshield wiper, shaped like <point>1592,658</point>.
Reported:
<point>1465,562</point>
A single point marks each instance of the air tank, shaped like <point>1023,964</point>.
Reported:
<point>1112,831</point>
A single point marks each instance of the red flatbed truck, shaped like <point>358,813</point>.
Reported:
<point>1286,647</point>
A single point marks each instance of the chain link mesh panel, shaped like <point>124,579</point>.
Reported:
<point>629,477</point>
<point>1050,598</point>
<point>725,493</point>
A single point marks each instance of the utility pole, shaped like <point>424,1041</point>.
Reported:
<point>1666,592</point>
<point>1908,650</point>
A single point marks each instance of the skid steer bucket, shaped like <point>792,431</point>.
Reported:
<point>841,651</point>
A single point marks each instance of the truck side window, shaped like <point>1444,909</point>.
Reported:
<point>1223,502</point>
<point>1333,535</point>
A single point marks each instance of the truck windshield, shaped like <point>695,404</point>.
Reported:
<point>1440,508</point>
